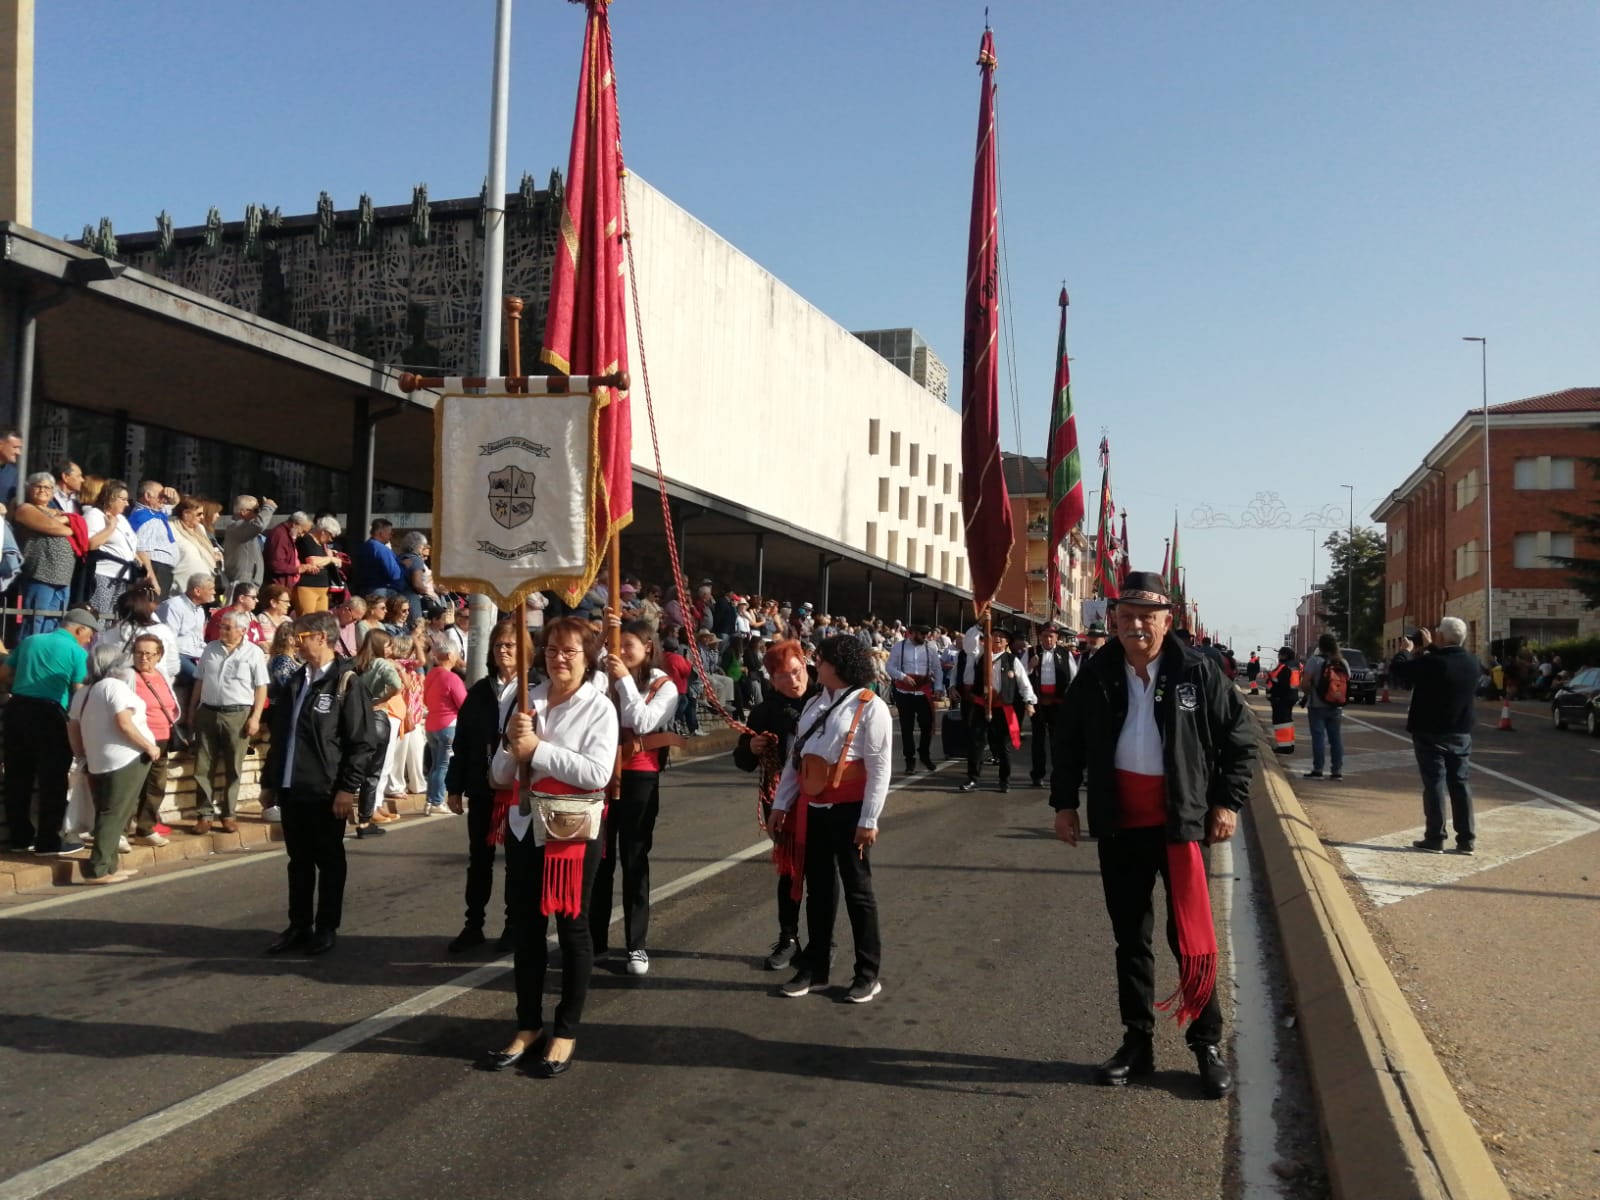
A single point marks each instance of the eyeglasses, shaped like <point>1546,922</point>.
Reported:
<point>558,653</point>
<point>502,646</point>
<point>303,634</point>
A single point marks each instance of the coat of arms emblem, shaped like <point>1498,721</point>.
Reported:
<point>510,496</point>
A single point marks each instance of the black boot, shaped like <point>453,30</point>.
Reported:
<point>1136,1056</point>
<point>1216,1081</point>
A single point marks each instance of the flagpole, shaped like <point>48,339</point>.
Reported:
<point>480,618</point>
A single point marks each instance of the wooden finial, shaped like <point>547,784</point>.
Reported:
<point>513,306</point>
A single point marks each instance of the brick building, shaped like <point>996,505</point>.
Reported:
<point>1025,585</point>
<point>1435,529</point>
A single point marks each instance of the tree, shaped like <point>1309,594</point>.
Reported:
<point>1363,556</point>
<point>1585,528</point>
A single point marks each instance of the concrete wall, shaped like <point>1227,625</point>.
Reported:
<point>763,399</point>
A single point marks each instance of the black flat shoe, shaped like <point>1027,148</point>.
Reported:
<point>549,1068</point>
<point>291,938</point>
<point>507,942</point>
<point>1136,1056</point>
<point>465,940</point>
<point>1216,1081</point>
<point>499,1060</point>
<point>322,941</point>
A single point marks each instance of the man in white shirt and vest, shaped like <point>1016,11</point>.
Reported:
<point>917,677</point>
<point>991,703</point>
<point>1052,672</point>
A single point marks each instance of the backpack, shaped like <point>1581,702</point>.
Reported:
<point>1333,684</point>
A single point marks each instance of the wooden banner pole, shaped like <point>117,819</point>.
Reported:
<point>513,316</point>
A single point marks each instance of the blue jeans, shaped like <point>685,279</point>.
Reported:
<point>439,743</point>
<point>46,596</point>
<point>1327,731</point>
<point>1444,761</point>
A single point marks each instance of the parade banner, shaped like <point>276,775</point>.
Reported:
<point>514,507</point>
<point>1063,467</point>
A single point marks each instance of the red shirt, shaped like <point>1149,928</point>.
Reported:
<point>159,703</point>
<point>442,692</point>
<point>678,670</point>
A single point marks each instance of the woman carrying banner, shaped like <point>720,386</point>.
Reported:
<point>825,814</point>
<point>550,825</point>
<point>646,702</point>
<point>773,725</point>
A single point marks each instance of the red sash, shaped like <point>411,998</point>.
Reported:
<point>789,851</point>
<point>561,892</point>
<point>1142,804</point>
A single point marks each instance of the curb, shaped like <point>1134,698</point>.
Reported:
<point>1392,1126</point>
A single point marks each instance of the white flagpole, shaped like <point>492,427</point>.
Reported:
<point>481,612</point>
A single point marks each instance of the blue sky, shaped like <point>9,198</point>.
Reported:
<point>1276,221</point>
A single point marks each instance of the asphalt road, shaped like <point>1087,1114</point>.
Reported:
<point>969,1076</point>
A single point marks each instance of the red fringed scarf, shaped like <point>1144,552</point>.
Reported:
<point>561,894</point>
<point>1143,803</point>
<point>789,850</point>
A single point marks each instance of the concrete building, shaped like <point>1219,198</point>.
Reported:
<point>906,349</point>
<point>1435,528</point>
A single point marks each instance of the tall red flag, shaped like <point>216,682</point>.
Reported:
<point>585,329</point>
<point>1105,570</point>
<point>985,504</point>
<point>1124,562</point>
<point>1063,467</point>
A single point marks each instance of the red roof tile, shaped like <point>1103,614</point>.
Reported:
<point>1583,399</point>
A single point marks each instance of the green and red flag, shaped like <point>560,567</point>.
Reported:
<point>1105,567</point>
<point>1124,559</point>
<point>1175,578</point>
<point>586,326</point>
<point>985,504</point>
<point>1063,466</point>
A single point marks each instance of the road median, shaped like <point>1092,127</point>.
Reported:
<point>1392,1125</point>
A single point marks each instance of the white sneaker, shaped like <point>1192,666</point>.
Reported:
<point>122,846</point>
<point>152,839</point>
<point>638,962</point>
<point>271,814</point>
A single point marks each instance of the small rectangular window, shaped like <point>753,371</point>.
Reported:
<point>922,512</point>
<point>927,560</point>
<point>1561,473</point>
<point>938,520</point>
<point>891,550</point>
<point>883,493</point>
<point>905,504</point>
<point>944,565</point>
<point>911,553</point>
<point>894,449</point>
<point>915,465</point>
<point>872,436</point>
<point>932,460</point>
<point>872,537</point>
<point>948,471</point>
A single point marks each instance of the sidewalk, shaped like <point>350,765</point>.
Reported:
<point>1496,952</point>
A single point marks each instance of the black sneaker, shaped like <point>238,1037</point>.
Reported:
<point>802,985</point>
<point>1311,775</point>
<point>1337,775</point>
<point>1005,786</point>
<point>507,942</point>
<point>783,952</point>
<point>927,763</point>
<point>970,785</point>
<point>1038,781</point>
<point>469,937</point>
<point>862,991</point>
<point>911,766</point>
<point>1465,848</point>
<point>1429,845</point>
<point>1135,1057</point>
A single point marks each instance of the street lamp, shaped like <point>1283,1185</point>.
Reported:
<point>1488,528</point>
<point>1350,570</point>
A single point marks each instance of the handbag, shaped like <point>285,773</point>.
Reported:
<point>178,738</point>
<point>569,818</point>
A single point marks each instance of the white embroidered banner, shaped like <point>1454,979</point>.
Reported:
<point>513,506</point>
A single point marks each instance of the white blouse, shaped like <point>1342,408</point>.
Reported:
<point>646,716</point>
<point>871,745</point>
<point>577,743</point>
<point>121,548</point>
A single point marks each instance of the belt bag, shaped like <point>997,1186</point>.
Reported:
<point>817,774</point>
<point>568,818</point>
<point>633,744</point>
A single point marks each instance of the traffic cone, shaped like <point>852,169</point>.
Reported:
<point>1384,698</point>
<point>1505,717</point>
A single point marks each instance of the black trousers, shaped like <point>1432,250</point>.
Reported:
<point>314,838</point>
<point>367,804</point>
<point>1045,719</point>
<point>916,710</point>
<point>987,732</point>
<point>480,861</point>
<point>37,754</point>
<point>630,832</point>
<point>788,906</point>
<point>831,854</point>
<point>524,886</point>
<point>1130,861</point>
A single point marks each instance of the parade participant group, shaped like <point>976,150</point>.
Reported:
<point>570,785</point>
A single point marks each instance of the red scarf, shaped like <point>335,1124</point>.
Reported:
<point>789,850</point>
<point>561,893</point>
<point>1142,801</point>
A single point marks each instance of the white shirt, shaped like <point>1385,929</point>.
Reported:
<point>1139,746</point>
<point>123,634</point>
<point>121,547</point>
<point>229,677</point>
<point>646,716</point>
<point>105,747</point>
<point>871,745</point>
<point>1047,670</point>
<point>996,677</point>
<point>187,620</point>
<point>908,658</point>
<point>577,744</point>
<point>157,539</point>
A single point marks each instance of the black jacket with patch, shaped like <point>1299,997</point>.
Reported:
<point>335,735</point>
<point>1206,740</point>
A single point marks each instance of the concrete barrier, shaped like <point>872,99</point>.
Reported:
<point>1392,1125</point>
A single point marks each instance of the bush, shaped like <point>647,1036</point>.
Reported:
<point>1574,652</point>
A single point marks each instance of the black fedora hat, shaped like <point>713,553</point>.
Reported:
<point>1146,589</point>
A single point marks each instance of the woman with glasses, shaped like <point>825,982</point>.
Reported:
<point>272,610</point>
<point>114,549</point>
<point>48,560</point>
<point>550,775</point>
<point>380,679</point>
<point>160,714</point>
<point>479,725</point>
<point>106,727</point>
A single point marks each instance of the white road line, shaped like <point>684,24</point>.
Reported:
<point>1479,768</point>
<point>109,1147</point>
<point>1254,1030</point>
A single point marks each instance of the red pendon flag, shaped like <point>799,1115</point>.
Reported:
<point>1124,565</point>
<point>985,505</point>
<point>585,330</point>
<point>1105,567</point>
<point>1064,468</point>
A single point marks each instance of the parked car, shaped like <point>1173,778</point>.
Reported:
<point>1577,702</point>
<point>1363,683</point>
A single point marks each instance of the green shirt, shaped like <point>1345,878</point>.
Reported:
<point>46,666</point>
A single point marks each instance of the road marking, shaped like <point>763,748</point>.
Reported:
<point>1390,870</point>
<point>1378,760</point>
<point>1259,1081</point>
<point>109,1147</point>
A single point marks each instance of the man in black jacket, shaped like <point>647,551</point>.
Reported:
<point>1051,674</point>
<point>323,740</point>
<point>1164,742</point>
<point>1443,679</point>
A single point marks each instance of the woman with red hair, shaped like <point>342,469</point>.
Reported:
<point>773,723</point>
